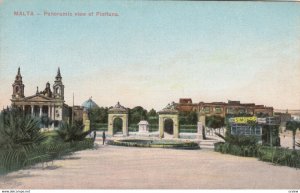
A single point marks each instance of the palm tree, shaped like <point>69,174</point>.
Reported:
<point>18,129</point>
<point>293,126</point>
<point>69,132</point>
<point>20,138</point>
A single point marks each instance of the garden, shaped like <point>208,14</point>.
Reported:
<point>268,151</point>
<point>22,144</point>
<point>99,117</point>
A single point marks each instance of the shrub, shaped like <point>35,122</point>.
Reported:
<point>238,145</point>
<point>22,144</point>
<point>280,156</point>
<point>241,140</point>
<point>155,143</point>
<point>69,132</point>
<point>218,146</point>
<point>275,155</point>
<point>227,148</point>
<point>19,130</point>
<point>13,159</point>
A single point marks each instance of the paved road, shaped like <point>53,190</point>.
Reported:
<point>113,167</point>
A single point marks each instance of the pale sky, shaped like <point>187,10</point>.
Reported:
<point>155,52</point>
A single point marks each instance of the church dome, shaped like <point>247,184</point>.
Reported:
<point>89,104</point>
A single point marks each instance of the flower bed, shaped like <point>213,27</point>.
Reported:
<point>155,143</point>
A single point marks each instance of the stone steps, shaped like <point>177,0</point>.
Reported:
<point>207,144</point>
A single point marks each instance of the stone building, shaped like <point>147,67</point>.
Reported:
<point>78,113</point>
<point>43,103</point>
<point>222,108</point>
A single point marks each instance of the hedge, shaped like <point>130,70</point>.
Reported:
<point>280,156</point>
<point>275,155</point>
<point>155,144</point>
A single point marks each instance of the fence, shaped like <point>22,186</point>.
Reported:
<point>131,128</point>
<point>211,131</point>
<point>154,128</point>
<point>187,128</point>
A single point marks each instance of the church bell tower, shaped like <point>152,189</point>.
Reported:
<point>58,87</point>
<point>18,86</point>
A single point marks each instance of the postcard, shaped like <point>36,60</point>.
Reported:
<point>189,95</point>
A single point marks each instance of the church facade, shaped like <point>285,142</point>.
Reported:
<point>47,103</point>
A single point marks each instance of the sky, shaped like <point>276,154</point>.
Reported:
<point>154,52</point>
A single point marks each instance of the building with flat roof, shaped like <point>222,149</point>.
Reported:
<point>222,108</point>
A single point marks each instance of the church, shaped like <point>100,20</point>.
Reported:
<point>47,103</point>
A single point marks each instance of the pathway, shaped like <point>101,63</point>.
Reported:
<point>113,167</point>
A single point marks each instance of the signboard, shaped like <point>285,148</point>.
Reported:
<point>261,120</point>
<point>246,120</point>
<point>242,120</point>
<point>273,120</point>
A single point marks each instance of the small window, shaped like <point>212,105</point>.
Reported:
<point>218,110</point>
<point>206,109</point>
<point>241,110</point>
<point>230,110</point>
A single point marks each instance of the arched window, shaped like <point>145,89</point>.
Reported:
<point>17,89</point>
<point>57,90</point>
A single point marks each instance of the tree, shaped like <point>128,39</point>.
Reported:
<point>192,118</point>
<point>94,114</point>
<point>68,132</point>
<point>182,118</point>
<point>19,130</point>
<point>98,115</point>
<point>152,113</point>
<point>103,114</point>
<point>188,118</point>
<point>152,117</point>
<point>214,121</point>
<point>293,126</point>
<point>137,114</point>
